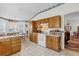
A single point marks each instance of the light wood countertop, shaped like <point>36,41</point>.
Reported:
<point>4,37</point>
<point>48,34</point>
<point>54,35</point>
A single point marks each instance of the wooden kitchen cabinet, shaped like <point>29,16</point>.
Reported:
<point>54,22</point>
<point>34,26</point>
<point>46,20</point>
<point>15,44</point>
<point>2,50</point>
<point>56,43</point>
<point>15,48</point>
<point>41,21</point>
<point>9,46</point>
<point>48,42</point>
<point>30,36</point>
<point>5,47</point>
<point>34,37</point>
<point>53,43</point>
<point>38,22</point>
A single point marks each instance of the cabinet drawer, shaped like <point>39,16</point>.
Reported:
<point>5,43</point>
<point>15,44</point>
<point>4,40</point>
<point>15,41</point>
<point>16,49</point>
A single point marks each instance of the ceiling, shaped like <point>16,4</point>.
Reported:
<point>22,11</point>
<point>74,16</point>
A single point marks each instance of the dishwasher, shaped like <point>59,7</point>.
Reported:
<point>42,39</point>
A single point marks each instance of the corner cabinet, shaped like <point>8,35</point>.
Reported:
<point>54,22</point>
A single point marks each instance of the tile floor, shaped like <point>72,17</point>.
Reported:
<point>32,49</point>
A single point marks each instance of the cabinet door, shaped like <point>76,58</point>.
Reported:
<point>31,37</point>
<point>35,37</point>
<point>16,40</point>
<point>2,50</point>
<point>15,48</point>
<point>48,42</point>
<point>55,44</point>
<point>41,21</point>
<point>50,23</point>
<point>34,26</point>
<point>46,20</point>
<point>38,23</point>
<point>15,44</point>
<point>55,22</point>
<point>5,48</point>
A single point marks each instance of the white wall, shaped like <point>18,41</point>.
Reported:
<point>61,10</point>
<point>2,25</point>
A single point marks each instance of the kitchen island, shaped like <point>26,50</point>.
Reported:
<point>10,45</point>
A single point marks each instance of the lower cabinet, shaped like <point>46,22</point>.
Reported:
<point>33,37</point>
<point>53,42</point>
<point>15,48</point>
<point>5,47</point>
<point>15,45</point>
<point>48,42</point>
<point>30,37</point>
<point>8,46</point>
<point>5,50</point>
<point>2,50</point>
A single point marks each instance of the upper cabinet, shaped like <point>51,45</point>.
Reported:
<point>54,22</point>
<point>34,26</point>
<point>45,20</point>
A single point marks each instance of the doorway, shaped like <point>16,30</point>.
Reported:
<point>71,28</point>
